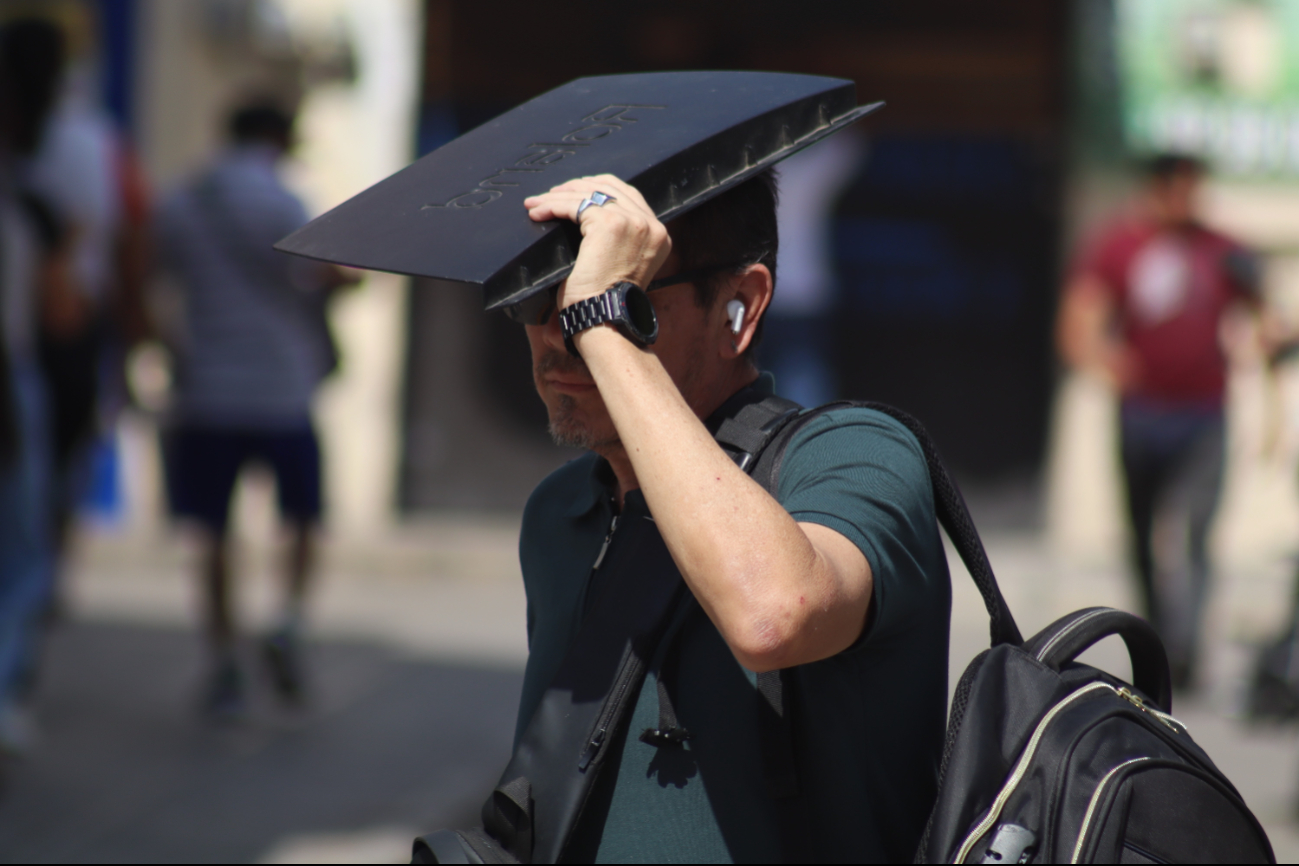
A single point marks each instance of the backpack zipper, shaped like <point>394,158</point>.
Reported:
<point>1095,800</point>
<point>1171,723</point>
<point>1021,766</point>
<point>627,672</point>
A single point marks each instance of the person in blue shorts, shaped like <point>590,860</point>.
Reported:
<point>254,346</point>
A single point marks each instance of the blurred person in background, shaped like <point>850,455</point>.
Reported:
<point>36,292</point>
<point>254,347</point>
<point>79,167</point>
<point>1273,690</point>
<point>1144,308</point>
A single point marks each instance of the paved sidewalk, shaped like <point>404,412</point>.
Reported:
<point>419,648</point>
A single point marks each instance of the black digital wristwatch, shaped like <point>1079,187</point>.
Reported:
<point>625,305</point>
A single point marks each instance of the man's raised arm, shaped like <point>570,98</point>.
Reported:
<point>781,593</point>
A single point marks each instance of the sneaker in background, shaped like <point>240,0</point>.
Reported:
<point>282,653</point>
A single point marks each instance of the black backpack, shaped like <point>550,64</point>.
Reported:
<point>1049,760</point>
<point>1052,761</point>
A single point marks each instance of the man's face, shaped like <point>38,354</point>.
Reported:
<point>685,347</point>
<point>1176,197</point>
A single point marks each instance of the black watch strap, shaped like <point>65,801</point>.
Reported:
<point>604,307</point>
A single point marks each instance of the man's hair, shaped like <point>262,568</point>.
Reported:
<point>737,228</point>
<point>260,121</point>
<point>1163,166</point>
<point>32,55</point>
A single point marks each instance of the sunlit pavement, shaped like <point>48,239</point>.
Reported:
<point>419,644</point>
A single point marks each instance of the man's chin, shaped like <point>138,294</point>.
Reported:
<point>568,428</point>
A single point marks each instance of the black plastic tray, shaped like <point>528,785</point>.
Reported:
<point>679,137</point>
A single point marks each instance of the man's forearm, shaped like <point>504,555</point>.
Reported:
<point>776,598</point>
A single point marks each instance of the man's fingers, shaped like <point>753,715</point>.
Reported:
<point>622,192</point>
<point>625,191</point>
<point>622,239</point>
<point>562,204</point>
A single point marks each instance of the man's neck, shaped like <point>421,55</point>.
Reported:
<point>625,474</point>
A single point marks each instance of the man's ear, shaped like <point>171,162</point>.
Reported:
<point>752,288</point>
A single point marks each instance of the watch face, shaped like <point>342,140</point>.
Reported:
<point>640,314</point>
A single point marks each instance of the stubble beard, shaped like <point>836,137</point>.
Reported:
<point>567,429</point>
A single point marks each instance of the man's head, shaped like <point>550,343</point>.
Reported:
<point>733,239</point>
<point>261,122</point>
<point>1174,184</point>
<point>32,56</point>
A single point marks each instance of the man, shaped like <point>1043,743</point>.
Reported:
<point>841,575</point>
<point>1144,308</point>
<point>253,350</point>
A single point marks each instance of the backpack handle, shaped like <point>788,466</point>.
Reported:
<point>1065,639</point>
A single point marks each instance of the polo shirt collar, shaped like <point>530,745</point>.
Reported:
<point>599,487</point>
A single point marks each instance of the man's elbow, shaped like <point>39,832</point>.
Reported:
<point>765,644</point>
<point>785,640</point>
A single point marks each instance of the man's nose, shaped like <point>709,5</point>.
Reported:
<point>551,333</point>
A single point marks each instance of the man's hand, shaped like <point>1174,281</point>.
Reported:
<point>621,240</point>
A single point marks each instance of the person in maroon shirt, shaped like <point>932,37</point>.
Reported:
<point>1144,307</point>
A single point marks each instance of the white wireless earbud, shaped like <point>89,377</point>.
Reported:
<point>735,315</point>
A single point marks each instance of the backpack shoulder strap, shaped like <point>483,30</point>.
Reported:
<point>753,428</point>
<point>949,506</point>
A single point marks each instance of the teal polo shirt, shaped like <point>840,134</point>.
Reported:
<point>869,722</point>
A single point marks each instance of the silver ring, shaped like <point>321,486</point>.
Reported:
<point>599,199</point>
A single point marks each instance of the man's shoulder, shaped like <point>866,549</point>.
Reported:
<point>1109,248</point>
<point>1217,240</point>
<point>862,473</point>
<point>855,415</point>
<point>851,433</point>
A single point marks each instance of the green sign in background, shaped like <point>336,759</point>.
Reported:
<point>1217,78</point>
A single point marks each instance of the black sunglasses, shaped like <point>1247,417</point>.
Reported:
<point>536,309</point>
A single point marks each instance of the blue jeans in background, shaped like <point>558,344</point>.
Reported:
<point>1173,460</point>
<point>26,542</point>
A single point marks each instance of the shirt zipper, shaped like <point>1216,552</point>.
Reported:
<point>604,548</point>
